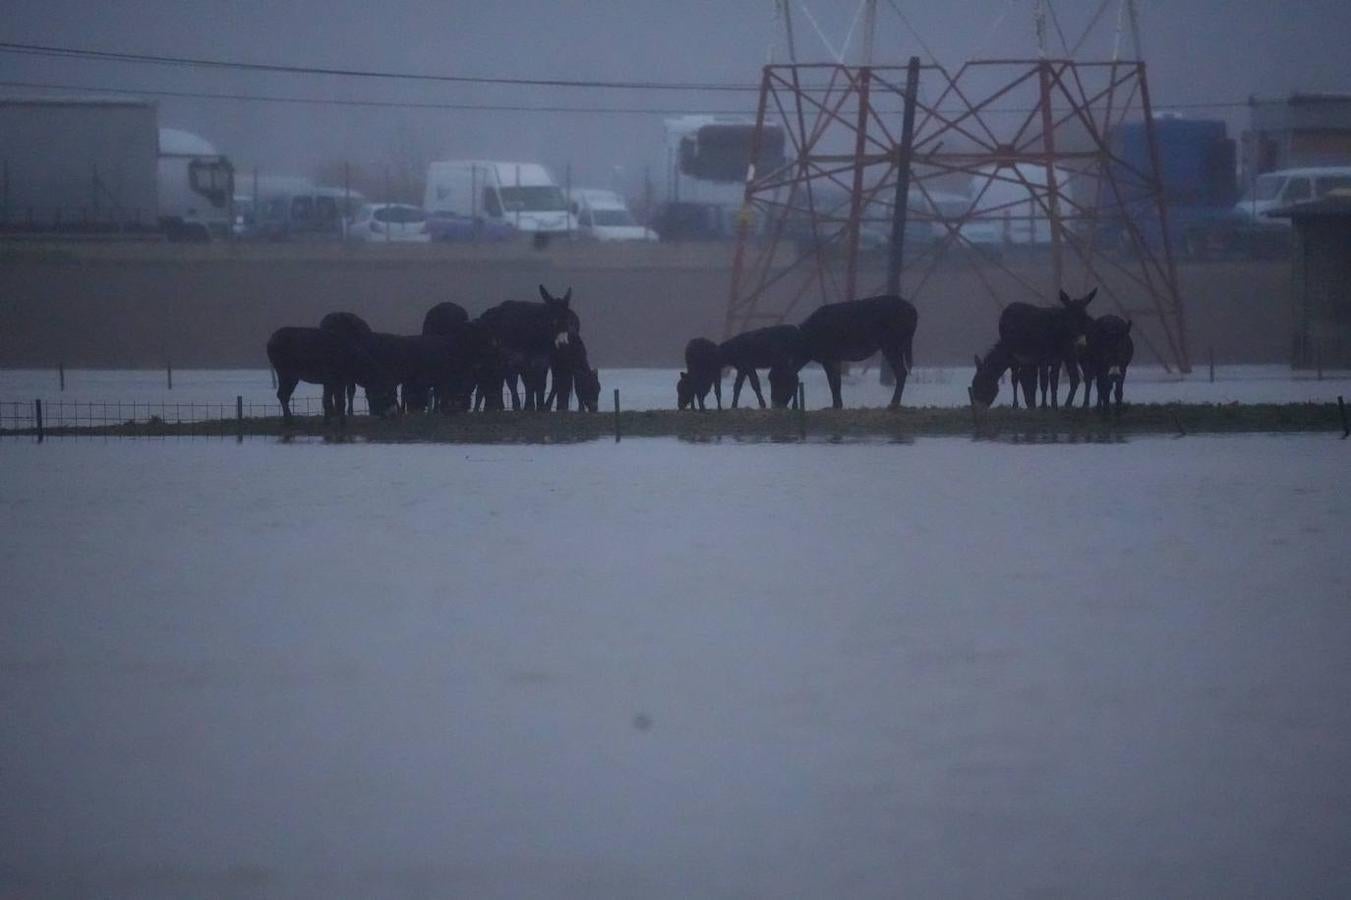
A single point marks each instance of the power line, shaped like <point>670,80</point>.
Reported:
<point>385,104</point>
<point>487,107</point>
<point>199,62</point>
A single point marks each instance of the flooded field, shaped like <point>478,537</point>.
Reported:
<point>943,668</point>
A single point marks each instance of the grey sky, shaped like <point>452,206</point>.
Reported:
<point>1201,51</point>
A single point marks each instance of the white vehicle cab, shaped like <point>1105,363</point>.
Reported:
<point>603,216</point>
<point>520,194</point>
<point>389,222</point>
<point>1289,187</point>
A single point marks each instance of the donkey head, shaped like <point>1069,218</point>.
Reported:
<point>562,322</point>
<point>382,397</point>
<point>782,386</point>
<point>1078,311</point>
<point>985,384</point>
<point>587,384</point>
<point>684,391</point>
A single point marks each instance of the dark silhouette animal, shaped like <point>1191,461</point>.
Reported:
<point>448,319</point>
<point>571,370</point>
<point>353,328</point>
<point>1034,342</point>
<point>1108,354</point>
<point>321,357</point>
<point>442,317</point>
<point>703,372</point>
<point>856,329</point>
<point>434,365</point>
<point>778,348</point>
<point>528,334</point>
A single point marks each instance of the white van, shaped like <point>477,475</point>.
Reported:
<point>519,194</point>
<point>603,216</point>
<point>1289,187</point>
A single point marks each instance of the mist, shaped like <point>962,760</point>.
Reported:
<point>1205,58</point>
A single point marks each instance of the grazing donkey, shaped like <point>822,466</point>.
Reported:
<point>1034,342</point>
<point>322,357</point>
<point>856,329</point>
<point>351,327</point>
<point>571,370</point>
<point>778,348</point>
<point>703,372</point>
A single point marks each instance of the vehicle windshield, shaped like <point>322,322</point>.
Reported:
<point>1267,187</point>
<point>612,217</point>
<point>1330,183</point>
<point>538,198</point>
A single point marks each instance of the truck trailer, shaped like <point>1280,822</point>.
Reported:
<point>78,165</point>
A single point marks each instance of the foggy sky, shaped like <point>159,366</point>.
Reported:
<point>1198,52</point>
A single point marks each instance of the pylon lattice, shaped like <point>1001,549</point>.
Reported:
<point>1032,138</point>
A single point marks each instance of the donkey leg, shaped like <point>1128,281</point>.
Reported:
<point>351,398</point>
<point>736,387</point>
<point>896,359</point>
<point>755,386</point>
<point>717,391</point>
<point>833,378</point>
<point>286,386</point>
<point>1055,386</point>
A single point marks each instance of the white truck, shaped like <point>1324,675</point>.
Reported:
<point>520,194</point>
<point>196,187</point>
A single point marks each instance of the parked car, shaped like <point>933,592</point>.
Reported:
<point>603,216</point>
<point>444,225</point>
<point>389,222</point>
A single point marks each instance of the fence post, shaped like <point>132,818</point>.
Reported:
<point>169,373</point>
<point>239,417</point>
<point>1341,408</point>
<point>61,370</point>
<point>37,416</point>
<point>802,409</point>
<point>616,415</point>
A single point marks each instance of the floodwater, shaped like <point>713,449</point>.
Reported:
<point>655,388</point>
<point>657,669</point>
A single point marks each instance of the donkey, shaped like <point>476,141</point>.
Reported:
<point>777,348</point>
<point>703,371</point>
<point>321,357</point>
<point>528,334</point>
<point>440,365</point>
<point>353,328</point>
<point>1108,354</point>
<point>856,329</point>
<point>571,370</point>
<point>449,319</point>
<point>1034,341</point>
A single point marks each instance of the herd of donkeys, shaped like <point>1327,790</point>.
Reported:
<point>458,363</point>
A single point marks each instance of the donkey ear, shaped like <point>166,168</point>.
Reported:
<point>567,295</point>
<point>1064,298</point>
<point>545,294</point>
<point>1091,294</point>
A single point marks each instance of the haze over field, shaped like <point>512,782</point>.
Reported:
<point>1205,52</point>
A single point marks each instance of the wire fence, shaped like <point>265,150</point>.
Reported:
<point>70,417</point>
